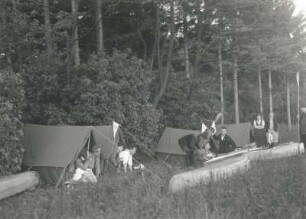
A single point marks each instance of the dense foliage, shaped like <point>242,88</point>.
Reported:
<point>107,88</point>
<point>11,101</point>
<point>150,64</point>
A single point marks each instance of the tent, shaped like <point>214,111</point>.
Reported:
<point>49,150</point>
<point>168,143</point>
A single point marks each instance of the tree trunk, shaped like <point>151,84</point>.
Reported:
<point>9,49</point>
<point>145,47</point>
<point>187,71</point>
<point>260,91</point>
<point>221,82</point>
<point>270,93</point>
<point>159,61</point>
<point>288,105</point>
<point>199,35</point>
<point>100,46</point>
<point>236,91</point>
<point>47,28</point>
<point>165,75</point>
<point>75,43</point>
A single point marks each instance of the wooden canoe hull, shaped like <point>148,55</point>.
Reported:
<point>285,150</point>
<point>212,171</point>
<point>14,184</point>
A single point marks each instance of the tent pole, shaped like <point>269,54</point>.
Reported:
<point>88,144</point>
<point>298,109</point>
<point>61,177</point>
<point>168,155</point>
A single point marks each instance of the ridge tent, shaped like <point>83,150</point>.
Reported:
<point>168,143</point>
<point>49,150</point>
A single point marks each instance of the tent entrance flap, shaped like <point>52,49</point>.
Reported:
<point>103,136</point>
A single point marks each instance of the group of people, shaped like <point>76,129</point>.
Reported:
<point>87,167</point>
<point>206,145</point>
<point>264,133</point>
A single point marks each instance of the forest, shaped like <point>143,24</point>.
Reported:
<point>146,64</point>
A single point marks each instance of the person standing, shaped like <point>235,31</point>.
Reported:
<point>303,126</point>
<point>259,131</point>
<point>126,159</point>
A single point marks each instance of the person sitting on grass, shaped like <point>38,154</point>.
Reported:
<point>226,143</point>
<point>126,159</point>
<point>85,164</point>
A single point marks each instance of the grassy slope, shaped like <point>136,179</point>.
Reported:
<point>271,189</point>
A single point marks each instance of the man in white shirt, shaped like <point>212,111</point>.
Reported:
<point>126,159</point>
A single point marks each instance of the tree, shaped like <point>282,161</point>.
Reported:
<point>166,71</point>
<point>75,37</point>
<point>47,27</point>
<point>100,46</point>
<point>11,100</point>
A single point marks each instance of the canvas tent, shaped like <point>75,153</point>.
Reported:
<point>50,149</point>
<point>168,143</point>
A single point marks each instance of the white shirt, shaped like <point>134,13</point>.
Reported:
<point>259,124</point>
<point>126,157</point>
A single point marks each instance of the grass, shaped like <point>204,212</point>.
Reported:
<point>271,189</point>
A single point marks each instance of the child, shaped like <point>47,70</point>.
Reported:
<point>270,139</point>
<point>126,159</point>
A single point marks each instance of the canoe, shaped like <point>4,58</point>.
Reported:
<point>14,184</point>
<point>284,150</point>
<point>216,170</point>
<point>232,154</point>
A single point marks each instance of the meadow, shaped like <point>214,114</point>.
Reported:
<point>270,189</point>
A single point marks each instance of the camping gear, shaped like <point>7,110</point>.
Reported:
<point>212,171</point>
<point>14,184</point>
<point>50,150</point>
<point>168,142</point>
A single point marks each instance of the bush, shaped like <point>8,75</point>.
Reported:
<point>111,87</point>
<point>11,99</point>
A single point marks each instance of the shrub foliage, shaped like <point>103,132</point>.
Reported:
<point>11,101</point>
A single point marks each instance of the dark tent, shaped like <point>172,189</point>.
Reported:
<point>51,149</point>
<point>168,143</point>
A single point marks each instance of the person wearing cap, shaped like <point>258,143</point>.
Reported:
<point>226,143</point>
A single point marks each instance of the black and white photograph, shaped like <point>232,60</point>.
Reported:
<point>152,109</point>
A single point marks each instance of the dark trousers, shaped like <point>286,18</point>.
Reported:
<point>190,157</point>
<point>303,139</point>
<point>271,145</point>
